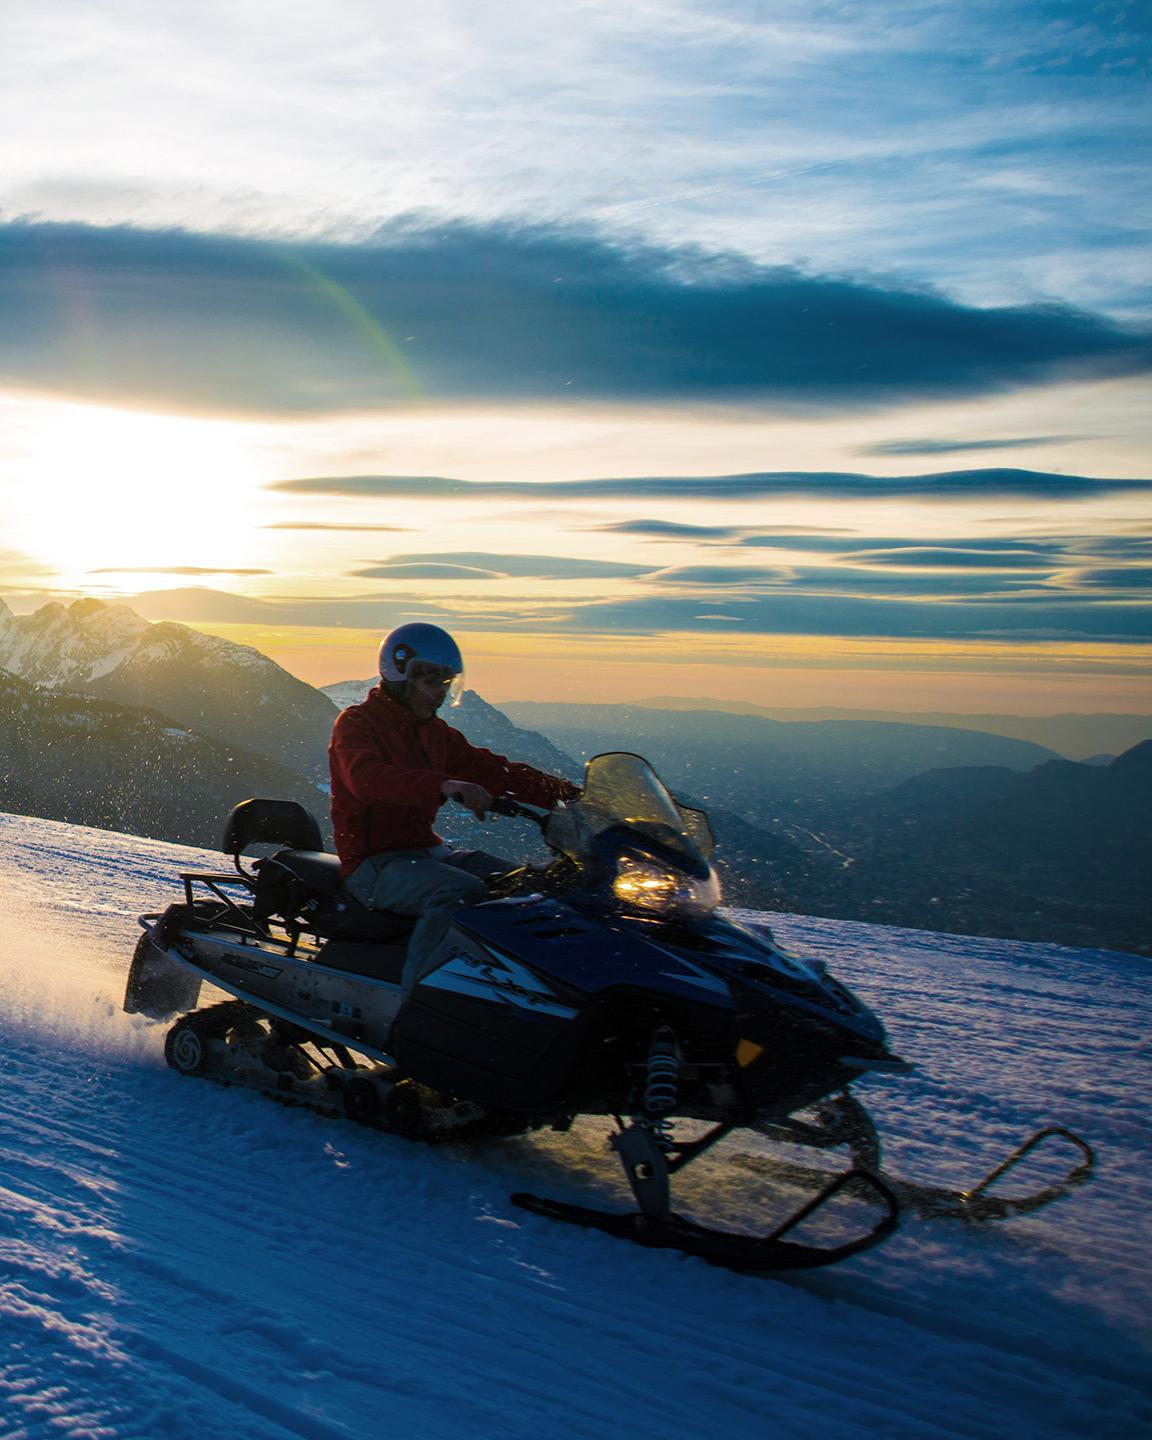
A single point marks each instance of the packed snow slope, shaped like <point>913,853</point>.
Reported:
<point>178,1259</point>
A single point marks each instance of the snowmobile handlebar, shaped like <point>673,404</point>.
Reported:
<point>507,805</point>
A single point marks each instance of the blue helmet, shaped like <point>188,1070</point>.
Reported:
<point>420,645</point>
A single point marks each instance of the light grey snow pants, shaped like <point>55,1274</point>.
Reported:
<point>428,883</point>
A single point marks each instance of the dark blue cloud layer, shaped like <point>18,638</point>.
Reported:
<point>498,313</point>
<point>986,551</point>
<point>946,485</point>
<point>858,545</point>
<point>783,612</point>
<point>956,447</point>
<point>669,530</point>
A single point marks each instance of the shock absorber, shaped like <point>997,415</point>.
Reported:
<point>662,1083</point>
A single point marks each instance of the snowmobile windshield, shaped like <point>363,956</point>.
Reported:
<point>657,848</point>
<point>621,789</point>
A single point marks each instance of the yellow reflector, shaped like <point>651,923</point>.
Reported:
<point>747,1051</point>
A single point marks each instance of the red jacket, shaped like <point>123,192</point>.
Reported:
<point>387,768</point>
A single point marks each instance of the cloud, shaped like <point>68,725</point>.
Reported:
<point>203,605</point>
<point>175,570</point>
<point>482,565</point>
<point>953,447</point>
<point>945,485</point>
<point>673,530</point>
<point>823,580</point>
<point>669,530</point>
<point>1121,546</point>
<point>855,544</point>
<point>786,612</point>
<point>988,553</point>
<point>425,570</point>
<point>482,312</point>
<point>937,557</point>
<point>1132,577</point>
<point>953,585</point>
<point>1001,145</point>
<point>720,575</point>
<point>322,525</point>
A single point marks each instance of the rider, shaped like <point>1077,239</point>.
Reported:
<point>393,763</point>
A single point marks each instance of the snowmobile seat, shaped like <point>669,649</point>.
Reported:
<point>307,885</point>
<point>302,884</point>
<point>316,868</point>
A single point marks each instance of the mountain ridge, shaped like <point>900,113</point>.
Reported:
<point>1074,734</point>
<point>761,768</point>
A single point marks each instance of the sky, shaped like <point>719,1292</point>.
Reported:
<point>795,354</point>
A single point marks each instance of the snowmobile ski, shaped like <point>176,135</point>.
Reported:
<point>747,1253</point>
<point>976,1205</point>
<point>650,1158</point>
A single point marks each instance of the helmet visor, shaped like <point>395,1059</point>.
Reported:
<point>442,677</point>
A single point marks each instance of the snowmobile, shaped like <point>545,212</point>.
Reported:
<point>605,983</point>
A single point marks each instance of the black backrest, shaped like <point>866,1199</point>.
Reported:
<point>275,822</point>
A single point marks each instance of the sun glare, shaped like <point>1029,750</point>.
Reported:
<point>114,491</point>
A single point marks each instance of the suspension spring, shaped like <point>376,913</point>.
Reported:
<point>662,1083</point>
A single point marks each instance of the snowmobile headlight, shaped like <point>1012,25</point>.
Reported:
<point>647,885</point>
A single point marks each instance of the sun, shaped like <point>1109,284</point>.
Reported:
<point>103,491</point>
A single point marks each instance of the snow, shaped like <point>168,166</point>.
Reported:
<point>109,662</point>
<point>349,692</point>
<point>181,1259</point>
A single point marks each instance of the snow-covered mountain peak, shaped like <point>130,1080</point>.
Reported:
<point>227,691</point>
<point>349,692</point>
<point>66,648</point>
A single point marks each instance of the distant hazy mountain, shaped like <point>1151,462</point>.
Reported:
<point>88,762</point>
<point>1075,736</point>
<point>761,768</point>
<point>1061,852</point>
<point>218,688</point>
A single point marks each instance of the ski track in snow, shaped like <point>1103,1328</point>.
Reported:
<point>177,1258</point>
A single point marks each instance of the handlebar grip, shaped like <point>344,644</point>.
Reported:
<point>505,805</point>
